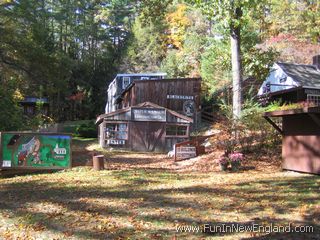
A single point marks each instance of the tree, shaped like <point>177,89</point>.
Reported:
<point>232,13</point>
<point>67,48</point>
<point>187,36</point>
<point>10,113</point>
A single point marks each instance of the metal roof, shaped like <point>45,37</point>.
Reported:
<point>34,100</point>
<point>303,75</point>
<point>141,74</point>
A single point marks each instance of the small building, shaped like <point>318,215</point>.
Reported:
<point>143,127</point>
<point>29,105</point>
<point>121,82</point>
<point>292,83</point>
<point>182,95</point>
<point>300,132</point>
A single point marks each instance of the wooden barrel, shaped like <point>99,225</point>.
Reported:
<point>98,162</point>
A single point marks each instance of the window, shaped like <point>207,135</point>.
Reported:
<point>117,131</point>
<point>29,110</point>
<point>176,131</point>
<point>267,88</point>
<point>125,82</point>
<point>283,79</point>
<point>145,78</point>
<point>313,98</point>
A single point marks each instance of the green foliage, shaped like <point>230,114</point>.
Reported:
<point>279,106</point>
<point>74,48</point>
<point>153,11</point>
<point>87,130</point>
<point>146,48</point>
<point>216,65</point>
<point>257,63</point>
<point>175,65</point>
<point>184,56</point>
<point>11,118</point>
<point>68,47</point>
<point>251,131</point>
<point>299,18</point>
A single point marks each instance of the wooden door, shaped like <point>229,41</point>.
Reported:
<point>147,136</point>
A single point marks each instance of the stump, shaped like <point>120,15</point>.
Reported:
<point>98,162</point>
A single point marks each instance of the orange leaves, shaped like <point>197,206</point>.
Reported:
<point>177,22</point>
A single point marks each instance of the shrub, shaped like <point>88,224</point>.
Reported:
<point>88,130</point>
<point>249,132</point>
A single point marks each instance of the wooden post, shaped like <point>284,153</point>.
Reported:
<point>98,162</point>
<point>102,138</point>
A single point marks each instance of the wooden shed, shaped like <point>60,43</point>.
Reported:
<point>301,138</point>
<point>143,127</point>
<point>29,105</point>
<point>181,95</point>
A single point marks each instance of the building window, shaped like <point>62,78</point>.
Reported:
<point>145,78</point>
<point>267,88</point>
<point>283,79</point>
<point>176,131</point>
<point>29,110</point>
<point>125,82</point>
<point>314,98</point>
<point>118,131</point>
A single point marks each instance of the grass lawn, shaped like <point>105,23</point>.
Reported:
<point>134,200</point>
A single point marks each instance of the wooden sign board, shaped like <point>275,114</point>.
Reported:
<point>180,97</point>
<point>148,114</point>
<point>186,152</point>
<point>116,142</point>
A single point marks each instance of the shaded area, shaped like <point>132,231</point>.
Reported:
<point>149,204</point>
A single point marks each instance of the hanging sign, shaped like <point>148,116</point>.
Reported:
<point>189,108</point>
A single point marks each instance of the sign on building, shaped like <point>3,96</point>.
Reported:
<point>116,142</point>
<point>189,108</point>
<point>148,114</point>
<point>35,150</point>
<point>180,97</point>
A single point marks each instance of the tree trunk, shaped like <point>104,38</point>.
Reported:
<point>236,67</point>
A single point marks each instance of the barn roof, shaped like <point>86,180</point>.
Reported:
<point>303,75</point>
<point>144,104</point>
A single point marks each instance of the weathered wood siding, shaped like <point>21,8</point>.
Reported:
<point>146,127</point>
<point>156,91</point>
<point>301,143</point>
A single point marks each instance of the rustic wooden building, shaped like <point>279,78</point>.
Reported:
<point>143,127</point>
<point>181,95</point>
<point>300,132</point>
<point>121,82</point>
<point>30,108</point>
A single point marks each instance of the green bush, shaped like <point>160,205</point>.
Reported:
<point>251,131</point>
<point>87,130</point>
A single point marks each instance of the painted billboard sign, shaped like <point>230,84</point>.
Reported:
<point>35,150</point>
